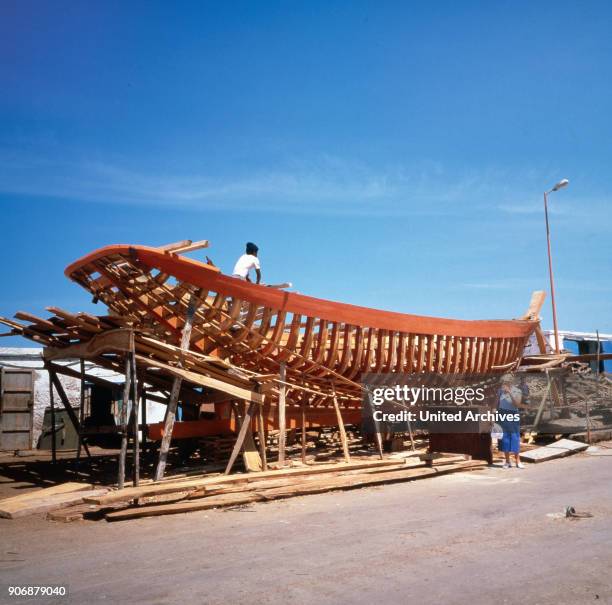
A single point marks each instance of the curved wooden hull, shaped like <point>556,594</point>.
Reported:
<point>256,327</point>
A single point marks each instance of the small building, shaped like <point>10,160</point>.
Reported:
<point>26,431</point>
<point>583,343</point>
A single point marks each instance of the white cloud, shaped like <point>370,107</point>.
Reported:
<point>326,185</point>
<point>511,283</point>
<point>323,185</point>
<point>111,183</point>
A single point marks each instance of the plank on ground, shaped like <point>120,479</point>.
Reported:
<point>62,488</point>
<point>303,488</point>
<point>71,513</point>
<point>193,489</point>
<point>48,503</point>
<point>272,483</point>
<point>370,479</point>
<point>559,449</point>
<point>131,493</point>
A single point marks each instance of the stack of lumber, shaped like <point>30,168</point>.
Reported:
<point>293,443</point>
<point>48,499</point>
<point>328,443</point>
<point>273,439</point>
<point>72,501</point>
<point>223,491</point>
<point>331,436</point>
<point>216,448</point>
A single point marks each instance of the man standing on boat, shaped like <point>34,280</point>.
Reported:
<point>247,262</point>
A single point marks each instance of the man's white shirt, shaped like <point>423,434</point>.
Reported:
<point>244,264</point>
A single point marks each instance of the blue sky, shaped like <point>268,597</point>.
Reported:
<point>390,154</point>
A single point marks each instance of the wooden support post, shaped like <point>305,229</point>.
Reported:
<point>143,416</point>
<point>136,441</point>
<point>252,459</point>
<point>81,411</point>
<point>174,393</point>
<point>282,421</point>
<point>168,427</point>
<point>53,437</point>
<point>345,450</point>
<point>261,433</point>
<point>124,423</point>
<point>411,436</point>
<point>246,423</point>
<point>377,434</point>
<point>541,340</point>
<point>555,398</point>
<point>57,383</point>
<point>303,432</point>
<point>541,406</point>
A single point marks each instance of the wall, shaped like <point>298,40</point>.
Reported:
<point>25,357</point>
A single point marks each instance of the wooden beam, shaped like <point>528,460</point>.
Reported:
<point>411,436</point>
<point>118,340</point>
<point>174,245</point>
<point>345,450</point>
<point>124,423</point>
<point>559,449</point>
<point>145,429</point>
<point>299,488</point>
<point>39,321</point>
<point>261,432</point>
<point>536,422</point>
<point>158,382</point>
<point>53,437</point>
<point>66,402</point>
<point>589,357</point>
<point>136,389</point>
<point>168,426</point>
<point>377,435</point>
<point>535,305</point>
<point>174,393</point>
<point>233,391</point>
<point>42,502</point>
<point>246,423</point>
<point>66,371</point>
<point>81,410</point>
<point>250,455</point>
<point>190,247</point>
<point>213,483</point>
<point>540,339</point>
<point>303,432</point>
<point>282,421</point>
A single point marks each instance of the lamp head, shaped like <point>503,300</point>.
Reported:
<point>562,183</point>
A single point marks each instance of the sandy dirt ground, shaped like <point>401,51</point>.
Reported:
<point>493,536</point>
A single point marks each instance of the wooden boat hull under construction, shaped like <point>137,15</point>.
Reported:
<point>257,327</point>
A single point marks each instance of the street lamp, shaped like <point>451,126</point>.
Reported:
<point>560,185</point>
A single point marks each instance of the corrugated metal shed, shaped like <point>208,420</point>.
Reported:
<point>584,343</point>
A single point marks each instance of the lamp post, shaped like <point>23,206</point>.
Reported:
<point>560,185</point>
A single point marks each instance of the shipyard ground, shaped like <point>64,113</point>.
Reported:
<point>479,538</point>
